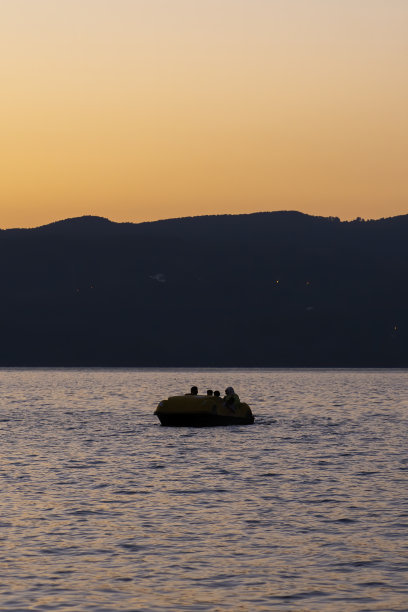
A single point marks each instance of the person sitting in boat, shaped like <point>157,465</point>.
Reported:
<point>217,394</point>
<point>231,399</point>
<point>209,392</point>
<point>193,391</point>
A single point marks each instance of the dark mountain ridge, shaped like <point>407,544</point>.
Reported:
<point>265,289</point>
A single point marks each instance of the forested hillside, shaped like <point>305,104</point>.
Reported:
<point>267,289</point>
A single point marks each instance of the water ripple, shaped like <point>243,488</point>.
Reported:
<point>104,510</point>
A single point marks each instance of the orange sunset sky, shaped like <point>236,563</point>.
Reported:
<point>146,109</point>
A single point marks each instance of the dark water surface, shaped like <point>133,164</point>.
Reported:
<point>102,509</point>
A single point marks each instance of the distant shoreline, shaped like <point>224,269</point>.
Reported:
<point>194,368</point>
<point>274,290</point>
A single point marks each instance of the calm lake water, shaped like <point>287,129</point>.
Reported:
<point>103,509</point>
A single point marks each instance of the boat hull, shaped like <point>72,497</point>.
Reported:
<point>201,411</point>
<point>201,420</point>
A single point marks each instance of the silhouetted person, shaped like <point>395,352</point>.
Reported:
<point>193,391</point>
<point>209,392</point>
<point>217,394</point>
<point>231,399</point>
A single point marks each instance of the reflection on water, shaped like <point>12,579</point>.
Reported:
<point>103,509</point>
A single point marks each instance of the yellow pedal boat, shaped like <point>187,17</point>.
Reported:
<point>201,411</point>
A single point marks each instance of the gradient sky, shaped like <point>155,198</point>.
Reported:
<point>147,109</point>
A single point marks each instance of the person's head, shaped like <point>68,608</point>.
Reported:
<point>194,391</point>
<point>229,391</point>
<point>217,394</point>
<point>209,392</point>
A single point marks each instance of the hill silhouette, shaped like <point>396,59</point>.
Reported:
<point>266,289</point>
